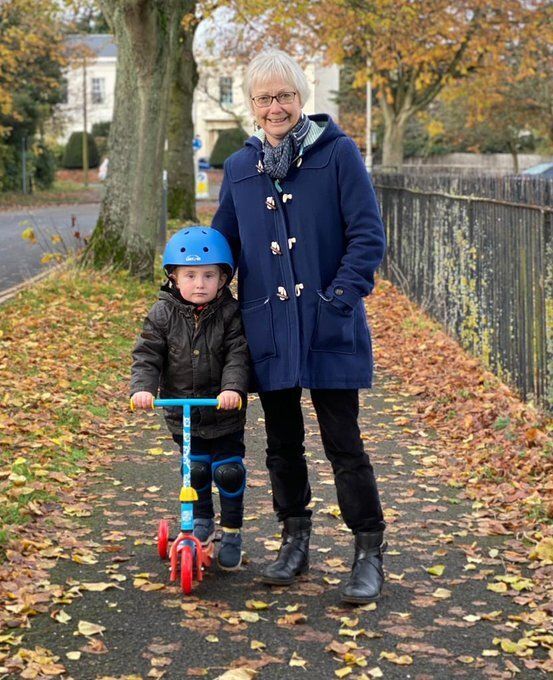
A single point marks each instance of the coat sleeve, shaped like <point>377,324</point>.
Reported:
<point>364,231</point>
<point>225,219</point>
<point>237,357</point>
<point>149,355</point>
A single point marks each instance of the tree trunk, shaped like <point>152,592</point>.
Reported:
<point>181,200</point>
<point>126,233</point>
<point>394,135</point>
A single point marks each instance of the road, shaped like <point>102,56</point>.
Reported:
<point>19,259</point>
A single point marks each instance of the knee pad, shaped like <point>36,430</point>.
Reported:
<point>229,476</point>
<point>200,472</point>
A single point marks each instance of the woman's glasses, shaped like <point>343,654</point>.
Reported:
<point>263,101</point>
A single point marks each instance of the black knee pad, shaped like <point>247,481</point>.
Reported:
<point>200,472</point>
<point>230,476</point>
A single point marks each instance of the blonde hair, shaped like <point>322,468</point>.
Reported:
<point>275,64</point>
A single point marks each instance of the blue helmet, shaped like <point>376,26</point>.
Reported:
<point>198,245</point>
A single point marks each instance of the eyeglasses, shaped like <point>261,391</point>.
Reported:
<point>263,101</point>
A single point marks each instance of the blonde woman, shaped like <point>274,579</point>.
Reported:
<point>299,211</point>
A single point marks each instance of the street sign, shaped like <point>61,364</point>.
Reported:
<point>197,143</point>
<point>202,185</point>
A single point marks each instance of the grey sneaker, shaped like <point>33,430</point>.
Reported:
<point>204,530</point>
<point>229,556</point>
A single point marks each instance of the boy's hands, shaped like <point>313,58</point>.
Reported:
<point>143,400</point>
<point>229,399</point>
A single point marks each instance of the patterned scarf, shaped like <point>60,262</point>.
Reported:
<point>277,159</point>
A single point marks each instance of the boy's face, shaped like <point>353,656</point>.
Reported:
<point>199,284</point>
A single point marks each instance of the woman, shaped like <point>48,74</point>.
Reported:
<point>299,210</point>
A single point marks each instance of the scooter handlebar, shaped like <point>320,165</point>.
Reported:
<point>182,402</point>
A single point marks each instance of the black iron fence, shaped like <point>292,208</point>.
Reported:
<point>477,255</point>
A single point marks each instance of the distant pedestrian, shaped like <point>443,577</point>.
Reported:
<point>103,169</point>
<point>298,208</point>
<point>192,345</point>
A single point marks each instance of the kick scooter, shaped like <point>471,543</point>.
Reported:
<point>193,556</point>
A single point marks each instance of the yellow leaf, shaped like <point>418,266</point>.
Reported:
<point>375,672</point>
<point>61,616</point>
<point>342,672</point>
<point>436,570</point>
<point>87,628</point>
<point>442,593</point>
<point>28,235</point>
<point>498,587</point>
<point>257,644</point>
<point>258,604</point>
<point>250,617</point>
<point>331,582</point>
<point>543,550</point>
<point>156,451</point>
<point>296,660</point>
<point>73,656</point>
<point>212,638</point>
<point>96,587</point>
<point>403,660</point>
<point>465,659</point>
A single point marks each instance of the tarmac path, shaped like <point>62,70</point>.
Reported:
<point>435,626</point>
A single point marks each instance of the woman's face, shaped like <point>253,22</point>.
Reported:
<point>277,119</point>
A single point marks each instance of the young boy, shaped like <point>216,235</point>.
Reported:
<point>193,345</point>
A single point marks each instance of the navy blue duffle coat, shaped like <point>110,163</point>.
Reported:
<point>306,257</point>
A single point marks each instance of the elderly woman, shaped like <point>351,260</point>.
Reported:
<point>299,210</point>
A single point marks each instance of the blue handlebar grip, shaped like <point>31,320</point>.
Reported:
<point>183,402</point>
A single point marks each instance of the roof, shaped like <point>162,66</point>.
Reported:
<point>101,43</point>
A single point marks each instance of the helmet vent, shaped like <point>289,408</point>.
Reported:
<point>204,231</point>
<point>206,250</point>
<point>183,250</point>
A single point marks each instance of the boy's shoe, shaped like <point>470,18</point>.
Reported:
<point>204,530</point>
<point>229,556</point>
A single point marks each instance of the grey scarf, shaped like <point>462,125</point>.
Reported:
<point>277,159</point>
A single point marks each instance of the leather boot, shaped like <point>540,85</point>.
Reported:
<point>293,555</point>
<point>367,574</point>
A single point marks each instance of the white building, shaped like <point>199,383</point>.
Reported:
<point>218,100</point>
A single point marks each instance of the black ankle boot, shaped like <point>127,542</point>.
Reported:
<point>367,574</point>
<point>293,556</point>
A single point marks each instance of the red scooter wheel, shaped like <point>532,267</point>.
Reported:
<point>186,569</point>
<point>162,538</point>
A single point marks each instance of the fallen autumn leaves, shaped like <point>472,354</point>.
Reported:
<point>64,352</point>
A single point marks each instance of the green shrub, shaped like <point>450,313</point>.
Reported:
<point>73,156</point>
<point>101,129</point>
<point>227,143</point>
<point>45,166</point>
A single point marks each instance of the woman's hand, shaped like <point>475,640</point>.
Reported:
<point>229,399</point>
<point>143,400</point>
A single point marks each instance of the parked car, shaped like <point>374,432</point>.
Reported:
<point>203,164</point>
<point>544,170</point>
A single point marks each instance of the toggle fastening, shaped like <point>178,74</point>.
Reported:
<point>281,293</point>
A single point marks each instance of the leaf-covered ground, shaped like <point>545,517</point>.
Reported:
<point>465,475</point>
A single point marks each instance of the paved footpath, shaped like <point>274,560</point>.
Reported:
<point>435,626</point>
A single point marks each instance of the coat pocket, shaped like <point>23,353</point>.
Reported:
<point>334,329</point>
<point>258,324</point>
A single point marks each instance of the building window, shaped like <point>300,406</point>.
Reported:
<point>64,91</point>
<point>98,90</point>
<point>225,90</point>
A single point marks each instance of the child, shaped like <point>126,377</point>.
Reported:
<point>192,345</point>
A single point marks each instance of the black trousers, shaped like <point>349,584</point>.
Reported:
<point>219,448</point>
<point>337,412</point>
